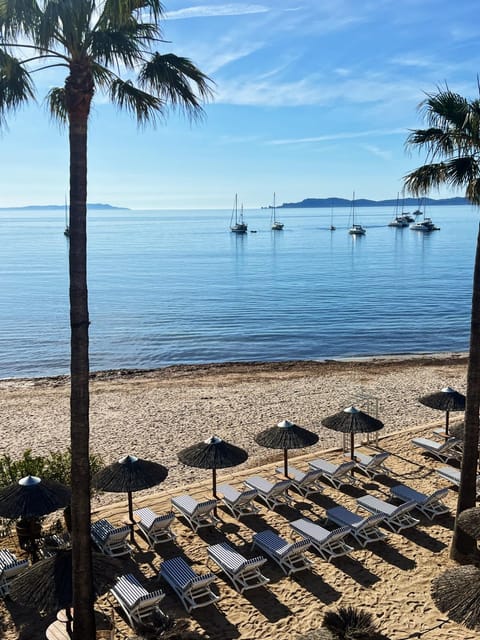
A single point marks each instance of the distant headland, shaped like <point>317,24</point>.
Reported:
<point>314,203</point>
<point>43,207</point>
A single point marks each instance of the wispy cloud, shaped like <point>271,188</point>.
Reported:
<point>214,11</point>
<point>350,135</point>
<point>380,153</point>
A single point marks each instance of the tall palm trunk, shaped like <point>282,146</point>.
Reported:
<point>78,96</point>
<point>463,545</point>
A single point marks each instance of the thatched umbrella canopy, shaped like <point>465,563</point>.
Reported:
<point>213,453</point>
<point>47,585</point>
<point>352,420</point>
<point>32,497</point>
<point>456,592</point>
<point>445,400</point>
<point>286,435</point>
<point>469,521</point>
<point>127,475</point>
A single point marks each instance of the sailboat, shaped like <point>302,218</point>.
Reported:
<point>426,225</point>
<point>237,225</point>
<point>276,225</point>
<point>355,229</point>
<point>332,228</point>
<point>66,231</point>
<point>399,221</point>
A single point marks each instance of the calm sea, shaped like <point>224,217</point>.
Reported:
<point>170,287</point>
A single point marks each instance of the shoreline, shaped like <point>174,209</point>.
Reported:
<point>211,368</point>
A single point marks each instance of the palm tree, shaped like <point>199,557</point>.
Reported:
<point>94,41</point>
<point>452,143</point>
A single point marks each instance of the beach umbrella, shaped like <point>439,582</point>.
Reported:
<point>213,453</point>
<point>445,400</point>
<point>127,475</point>
<point>32,497</point>
<point>456,592</point>
<point>47,585</point>
<point>469,521</point>
<point>352,420</point>
<point>286,435</point>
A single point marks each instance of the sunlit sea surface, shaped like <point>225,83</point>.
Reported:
<point>173,287</point>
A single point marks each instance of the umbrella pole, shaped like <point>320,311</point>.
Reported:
<point>285,462</point>
<point>130,516</point>
<point>69,622</point>
<point>352,448</point>
<point>214,480</point>
<point>447,414</point>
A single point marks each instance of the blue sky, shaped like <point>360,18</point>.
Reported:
<point>313,98</point>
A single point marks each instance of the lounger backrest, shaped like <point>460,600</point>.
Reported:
<point>279,487</point>
<point>337,534</point>
<point>6,558</point>
<point>130,590</point>
<point>294,548</point>
<point>343,468</point>
<point>370,521</point>
<point>309,476</point>
<point>436,495</point>
<point>378,458</point>
<point>205,507</point>
<point>403,508</point>
<point>245,497</point>
<point>102,529</point>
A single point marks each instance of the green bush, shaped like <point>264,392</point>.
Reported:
<point>54,466</point>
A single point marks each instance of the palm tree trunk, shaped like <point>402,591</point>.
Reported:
<point>464,547</point>
<point>83,595</point>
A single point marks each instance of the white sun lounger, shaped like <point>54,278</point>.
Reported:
<point>240,503</point>
<point>109,539</point>
<point>329,544</point>
<point>244,574</point>
<point>137,603</point>
<point>290,556</point>
<point>397,518</point>
<point>271,494</point>
<point>444,451</point>
<point>337,474</point>
<point>363,529</point>
<point>155,528</point>
<point>430,505</point>
<point>10,568</point>
<point>372,465</point>
<point>193,590</point>
<point>305,482</point>
<point>197,514</point>
<point>453,476</point>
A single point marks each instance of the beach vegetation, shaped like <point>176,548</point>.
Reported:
<point>56,465</point>
<point>346,623</point>
<point>451,141</point>
<point>107,48</point>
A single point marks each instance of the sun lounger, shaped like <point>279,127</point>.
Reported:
<point>430,505</point>
<point>197,514</point>
<point>305,482</point>
<point>137,603</point>
<point>271,494</point>
<point>337,474</point>
<point>372,465</point>
<point>240,503</point>
<point>244,574</point>
<point>453,476</point>
<point>364,530</point>
<point>109,539</point>
<point>329,544</point>
<point>397,518</point>
<point>155,528</point>
<point>448,450</point>
<point>193,590</point>
<point>289,555</point>
<point>10,568</point>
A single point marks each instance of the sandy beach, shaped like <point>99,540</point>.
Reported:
<point>153,414</point>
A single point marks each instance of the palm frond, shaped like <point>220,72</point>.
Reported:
<point>56,104</point>
<point>145,106</point>
<point>18,17</point>
<point>177,81</point>
<point>124,45</point>
<point>445,109</point>
<point>437,141</point>
<point>16,86</point>
<point>423,179</point>
<point>117,12</point>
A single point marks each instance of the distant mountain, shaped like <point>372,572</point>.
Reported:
<point>42,207</point>
<point>314,203</point>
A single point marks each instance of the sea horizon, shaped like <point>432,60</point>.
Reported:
<point>172,288</point>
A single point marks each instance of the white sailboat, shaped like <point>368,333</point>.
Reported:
<point>332,227</point>
<point>276,225</point>
<point>399,220</point>
<point>66,231</point>
<point>237,224</point>
<point>355,229</point>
